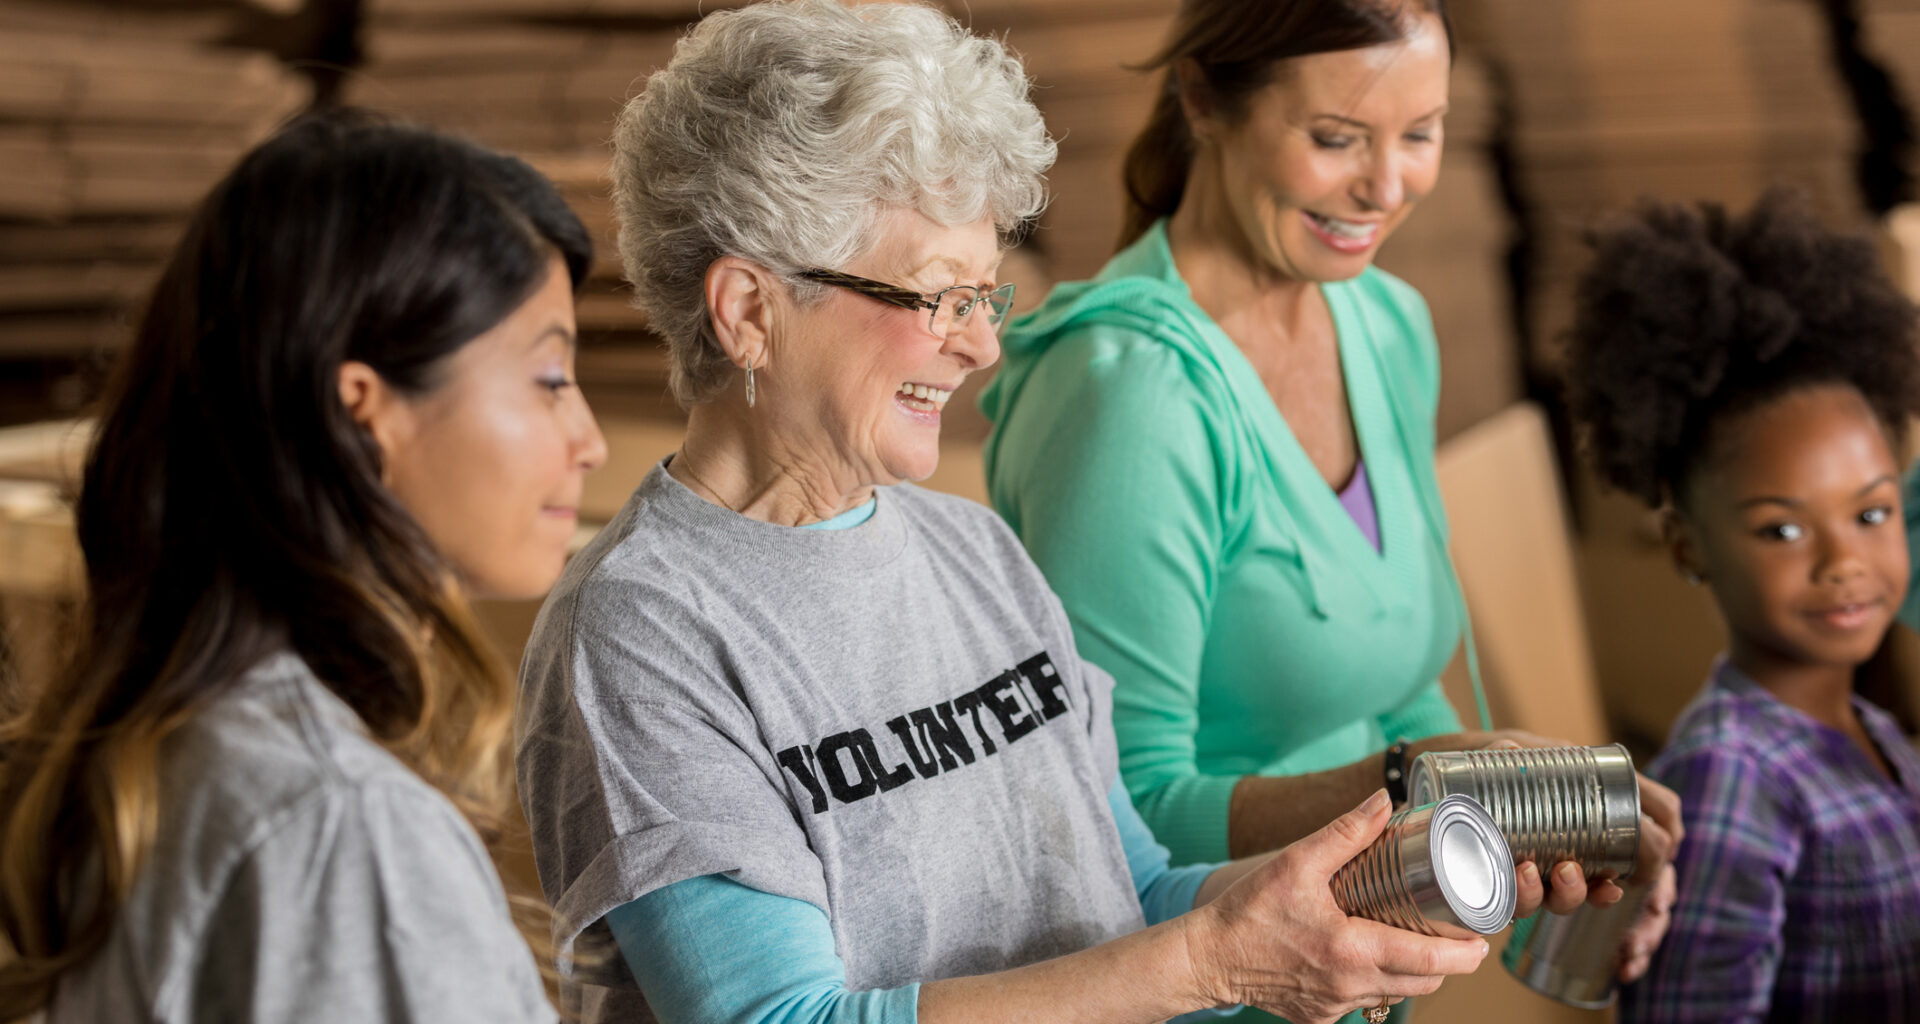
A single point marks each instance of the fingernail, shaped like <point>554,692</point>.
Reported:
<point>1484,948</point>
<point>1377,802</point>
<point>1567,874</point>
<point>1532,871</point>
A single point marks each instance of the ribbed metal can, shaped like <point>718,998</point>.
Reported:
<point>1553,803</point>
<point>1576,958</point>
<point>1439,869</point>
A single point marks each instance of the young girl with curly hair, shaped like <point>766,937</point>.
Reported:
<point>1751,376</point>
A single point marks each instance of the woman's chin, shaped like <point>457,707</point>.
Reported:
<point>910,467</point>
<point>527,579</point>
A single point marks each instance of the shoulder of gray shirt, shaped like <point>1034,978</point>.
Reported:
<point>278,763</point>
<point>268,748</point>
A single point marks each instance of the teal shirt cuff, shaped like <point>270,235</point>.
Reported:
<point>710,949</point>
<point>1165,892</point>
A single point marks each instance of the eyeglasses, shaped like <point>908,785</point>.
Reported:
<point>950,306</point>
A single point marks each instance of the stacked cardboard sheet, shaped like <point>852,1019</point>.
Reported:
<point>113,124</point>
<point>544,80</point>
<point>1889,41</point>
<point>1618,99</point>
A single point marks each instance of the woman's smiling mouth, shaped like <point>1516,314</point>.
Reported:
<point>923,397</point>
<point>1347,236</point>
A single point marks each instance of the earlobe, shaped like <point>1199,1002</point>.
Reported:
<point>741,298</point>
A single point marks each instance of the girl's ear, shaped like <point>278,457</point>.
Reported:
<point>1683,545</point>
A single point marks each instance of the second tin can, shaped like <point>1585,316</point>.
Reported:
<point>1442,869</point>
<point>1553,803</point>
<point>1575,959</point>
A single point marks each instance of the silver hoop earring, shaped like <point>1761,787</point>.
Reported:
<point>749,385</point>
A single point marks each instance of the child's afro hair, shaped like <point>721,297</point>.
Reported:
<point>1688,315</point>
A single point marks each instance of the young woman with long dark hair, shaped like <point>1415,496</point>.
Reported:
<point>263,788</point>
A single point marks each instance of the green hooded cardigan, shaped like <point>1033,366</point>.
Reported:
<point>1249,625</point>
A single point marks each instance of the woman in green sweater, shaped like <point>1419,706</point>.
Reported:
<point>1220,450</point>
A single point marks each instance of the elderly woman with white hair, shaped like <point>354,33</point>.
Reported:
<point>806,742</point>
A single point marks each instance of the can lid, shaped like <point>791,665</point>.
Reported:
<point>1421,787</point>
<point>1473,864</point>
<point>1436,773</point>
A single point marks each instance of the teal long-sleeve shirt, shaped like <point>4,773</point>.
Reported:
<point>1205,563</point>
<point>712,949</point>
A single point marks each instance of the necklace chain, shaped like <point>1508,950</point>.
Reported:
<point>687,464</point>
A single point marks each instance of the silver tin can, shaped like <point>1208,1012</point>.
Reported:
<point>1553,803</point>
<point>1576,958</point>
<point>1441,869</point>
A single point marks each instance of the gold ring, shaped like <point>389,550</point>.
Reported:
<point>1376,1014</point>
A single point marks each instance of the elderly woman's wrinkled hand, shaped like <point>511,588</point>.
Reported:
<point>1277,940</point>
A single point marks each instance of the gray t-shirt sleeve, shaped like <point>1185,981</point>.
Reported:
<point>369,903</point>
<point>630,793</point>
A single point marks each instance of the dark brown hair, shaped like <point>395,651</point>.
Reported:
<point>230,507</point>
<point>1235,45</point>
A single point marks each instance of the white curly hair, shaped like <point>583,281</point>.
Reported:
<point>779,133</point>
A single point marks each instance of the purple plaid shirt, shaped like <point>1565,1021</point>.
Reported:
<point>1800,873</point>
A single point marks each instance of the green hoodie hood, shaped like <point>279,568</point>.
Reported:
<point>1137,290</point>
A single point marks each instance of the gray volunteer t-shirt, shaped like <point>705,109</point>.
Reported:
<point>302,873</point>
<point>888,722</point>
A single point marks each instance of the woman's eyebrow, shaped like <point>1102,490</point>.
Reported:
<point>554,330</point>
<point>1357,123</point>
<point>952,265</point>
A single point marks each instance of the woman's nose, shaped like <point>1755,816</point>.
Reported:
<point>589,444</point>
<point>975,340</point>
<point>1382,185</point>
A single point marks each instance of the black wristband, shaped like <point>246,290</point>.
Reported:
<point>1396,772</point>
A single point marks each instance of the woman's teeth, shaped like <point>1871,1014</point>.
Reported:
<point>922,397</point>
<point>1354,230</point>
